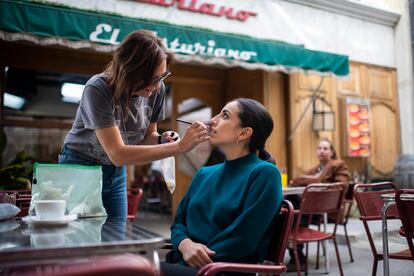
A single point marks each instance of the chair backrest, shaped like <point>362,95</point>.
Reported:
<point>322,198</point>
<point>405,210</point>
<point>134,197</point>
<point>280,237</point>
<point>369,201</point>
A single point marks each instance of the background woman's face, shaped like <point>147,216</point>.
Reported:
<point>225,127</point>
<point>324,151</point>
<point>159,73</point>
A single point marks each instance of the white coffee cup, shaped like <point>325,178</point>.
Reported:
<point>50,209</point>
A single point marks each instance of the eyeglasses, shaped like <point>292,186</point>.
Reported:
<point>161,78</point>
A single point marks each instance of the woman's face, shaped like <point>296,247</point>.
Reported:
<point>225,127</point>
<point>160,74</point>
<point>324,152</point>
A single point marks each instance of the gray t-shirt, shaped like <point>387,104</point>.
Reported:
<point>97,110</point>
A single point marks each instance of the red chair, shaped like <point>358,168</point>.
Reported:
<point>342,220</point>
<point>370,203</point>
<point>214,268</point>
<point>317,199</point>
<point>106,265</point>
<point>134,197</point>
<point>405,210</point>
<point>276,252</point>
<point>20,198</point>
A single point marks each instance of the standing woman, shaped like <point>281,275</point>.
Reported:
<point>116,121</point>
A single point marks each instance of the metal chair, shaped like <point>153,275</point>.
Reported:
<point>317,199</point>
<point>275,254</point>
<point>214,268</point>
<point>342,217</point>
<point>106,265</point>
<point>134,196</point>
<point>405,210</point>
<point>370,203</point>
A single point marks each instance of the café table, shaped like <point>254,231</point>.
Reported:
<point>389,200</point>
<point>293,190</point>
<point>23,244</point>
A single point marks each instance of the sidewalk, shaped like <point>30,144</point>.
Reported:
<point>361,250</point>
<point>358,237</point>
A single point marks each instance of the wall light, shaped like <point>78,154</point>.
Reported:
<point>71,92</point>
<point>323,120</point>
<point>13,101</point>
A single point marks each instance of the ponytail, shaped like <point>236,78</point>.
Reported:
<point>266,156</point>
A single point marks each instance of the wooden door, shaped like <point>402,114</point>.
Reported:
<point>378,85</point>
<point>381,89</point>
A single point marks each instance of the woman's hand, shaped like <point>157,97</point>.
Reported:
<point>195,254</point>
<point>194,135</point>
<point>169,136</point>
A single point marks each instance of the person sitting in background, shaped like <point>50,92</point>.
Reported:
<point>214,220</point>
<point>329,170</point>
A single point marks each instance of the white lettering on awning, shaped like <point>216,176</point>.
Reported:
<point>174,45</point>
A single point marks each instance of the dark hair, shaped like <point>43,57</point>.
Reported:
<point>334,156</point>
<point>254,115</point>
<point>134,63</point>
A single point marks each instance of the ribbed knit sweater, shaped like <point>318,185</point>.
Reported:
<point>231,208</point>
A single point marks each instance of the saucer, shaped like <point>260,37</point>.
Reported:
<point>35,221</point>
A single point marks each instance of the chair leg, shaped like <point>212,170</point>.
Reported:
<point>296,254</point>
<point>348,243</point>
<point>306,258</point>
<point>338,257</point>
<point>317,256</point>
<point>374,267</point>
<point>317,250</point>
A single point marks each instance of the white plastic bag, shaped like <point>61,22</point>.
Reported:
<point>8,210</point>
<point>168,171</point>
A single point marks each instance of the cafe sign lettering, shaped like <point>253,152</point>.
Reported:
<point>105,33</point>
<point>204,8</point>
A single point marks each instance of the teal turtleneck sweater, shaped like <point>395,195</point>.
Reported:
<point>230,208</point>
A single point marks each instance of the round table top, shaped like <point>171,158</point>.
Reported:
<point>391,197</point>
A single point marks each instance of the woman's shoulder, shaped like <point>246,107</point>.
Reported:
<point>98,81</point>
<point>337,163</point>
<point>211,168</point>
<point>266,167</point>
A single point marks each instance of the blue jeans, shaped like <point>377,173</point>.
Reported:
<point>114,194</point>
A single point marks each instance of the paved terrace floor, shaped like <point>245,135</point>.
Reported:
<point>363,259</point>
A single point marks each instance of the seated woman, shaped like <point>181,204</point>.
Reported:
<point>329,170</point>
<point>229,209</point>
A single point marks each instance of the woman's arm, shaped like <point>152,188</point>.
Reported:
<point>121,154</point>
<point>304,180</point>
<point>151,135</point>
<point>194,254</point>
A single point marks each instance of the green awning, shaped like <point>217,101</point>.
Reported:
<point>46,24</point>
